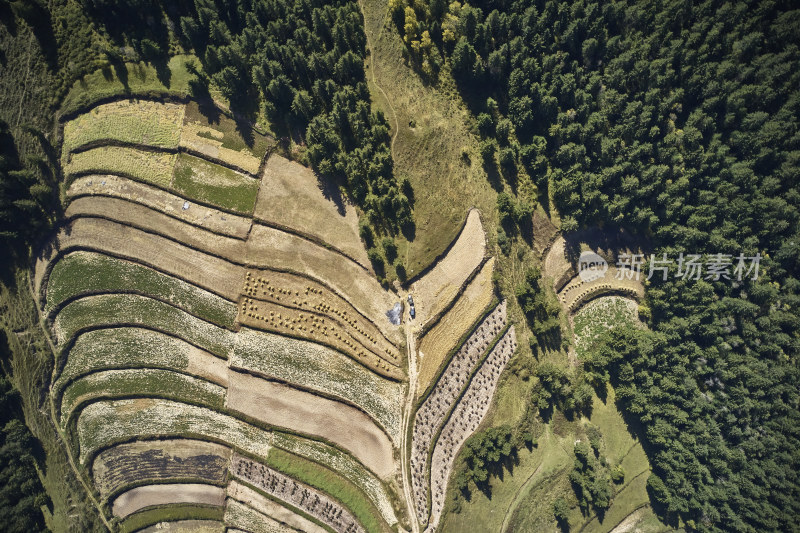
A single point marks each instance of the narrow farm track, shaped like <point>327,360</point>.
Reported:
<point>409,405</point>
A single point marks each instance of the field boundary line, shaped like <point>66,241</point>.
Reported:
<point>433,321</point>
<point>309,237</point>
<point>111,142</point>
<point>314,392</point>
<point>71,198</point>
<point>444,253</point>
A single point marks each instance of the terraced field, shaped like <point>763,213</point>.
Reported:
<point>224,361</point>
<point>438,404</point>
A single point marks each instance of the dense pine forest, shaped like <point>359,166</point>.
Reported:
<point>679,122</point>
<point>676,121</point>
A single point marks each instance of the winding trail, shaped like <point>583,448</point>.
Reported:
<point>59,431</point>
<point>372,68</point>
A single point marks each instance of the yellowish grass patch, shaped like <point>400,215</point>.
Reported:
<point>443,337</point>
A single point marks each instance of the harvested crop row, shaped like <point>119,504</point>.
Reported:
<point>443,338</point>
<point>142,217</point>
<point>465,419</point>
<point>292,195</point>
<point>299,495</point>
<point>214,184</point>
<point>177,493</point>
<point>316,328</point>
<point>159,200</point>
<point>301,293</point>
<point>244,518</point>
<point>186,526</point>
<point>438,287</point>
<point>272,509</point>
<point>578,291</point>
<point>127,347</point>
<point>279,250</point>
<point>135,463</point>
<point>211,273</point>
<point>80,273</point>
<point>139,382</point>
<point>130,121</point>
<point>344,465</point>
<point>433,412</point>
<point>104,423</point>
<point>302,412</point>
<point>150,167</point>
<point>322,369</point>
<point>131,309</point>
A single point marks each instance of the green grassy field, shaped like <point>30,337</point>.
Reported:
<point>149,167</point>
<point>140,382</point>
<point>132,309</point>
<point>521,500</point>
<point>130,79</point>
<point>236,135</point>
<point>216,185</point>
<point>84,272</point>
<point>149,517</point>
<point>136,122</point>
<point>597,316</point>
<point>330,483</point>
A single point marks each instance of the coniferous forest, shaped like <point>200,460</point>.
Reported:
<point>677,121</point>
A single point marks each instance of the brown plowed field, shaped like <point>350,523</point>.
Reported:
<point>292,195</point>
<point>283,406</point>
<point>141,497</point>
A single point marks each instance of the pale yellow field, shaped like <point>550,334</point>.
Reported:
<point>439,286</point>
<point>166,202</point>
<point>577,291</point>
<point>443,337</point>
<point>150,167</point>
<point>291,195</point>
<point>130,121</point>
<point>139,216</point>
